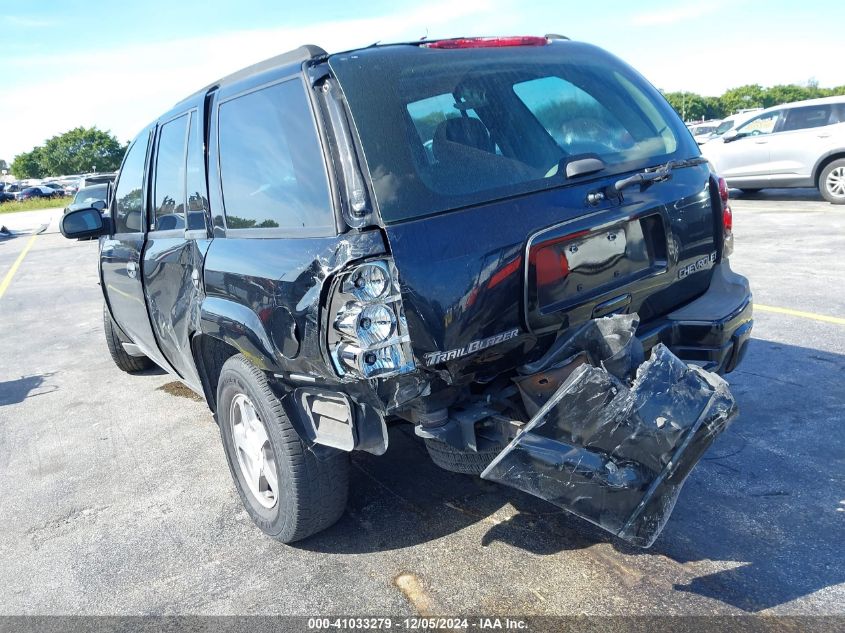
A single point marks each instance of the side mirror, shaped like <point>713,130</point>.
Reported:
<point>730,135</point>
<point>83,223</point>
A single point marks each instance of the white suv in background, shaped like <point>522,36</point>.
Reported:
<point>799,144</point>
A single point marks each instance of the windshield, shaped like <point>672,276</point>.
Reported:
<point>724,126</point>
<point>86,194</point>
<point>451,128</point>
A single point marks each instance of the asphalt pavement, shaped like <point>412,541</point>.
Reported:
<point>115,497</point>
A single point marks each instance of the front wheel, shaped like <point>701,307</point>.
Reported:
<point>287,491</point>
<point>832,182</point>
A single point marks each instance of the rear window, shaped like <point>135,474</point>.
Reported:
<point>453,128</point>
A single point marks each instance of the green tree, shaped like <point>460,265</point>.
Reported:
<point>28,165</point>
<point>751,96</point>
<point>787,94</point>
<point>691,106</point>
<point>81,150</point>
<point>77,151</point>
<point>713,108</point>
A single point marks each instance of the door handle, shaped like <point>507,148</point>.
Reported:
<point>760,142</point>
<point>132,269</point>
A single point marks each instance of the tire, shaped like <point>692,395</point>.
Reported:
<point>832,182</point>
<point>310,494</point>
<point>125,362</point>
<point>750,191</point>
<point>463,462</point>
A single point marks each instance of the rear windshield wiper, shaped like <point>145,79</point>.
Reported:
<point>653,174</point>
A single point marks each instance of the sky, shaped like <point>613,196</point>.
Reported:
<point>118,65</point>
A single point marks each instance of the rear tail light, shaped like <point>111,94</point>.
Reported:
<point>369,337</point>
<point>548,259</point>
<point>487,42</point>
<point>550,265</point>
<point>727,219</point>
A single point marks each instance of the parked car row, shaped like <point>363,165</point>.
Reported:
<point>57,187</point>
<point>703,131</point>
<point>12,192</point>
<point>5,196</point>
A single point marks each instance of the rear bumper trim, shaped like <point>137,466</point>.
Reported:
<point>711,331</point>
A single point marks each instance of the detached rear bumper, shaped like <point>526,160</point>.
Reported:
<point>713,330</point>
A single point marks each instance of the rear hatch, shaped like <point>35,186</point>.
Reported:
<point>498,248</point>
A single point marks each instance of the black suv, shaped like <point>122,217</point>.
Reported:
<point>483,237</point>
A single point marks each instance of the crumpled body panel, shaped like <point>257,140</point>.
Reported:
<point>615,450</point>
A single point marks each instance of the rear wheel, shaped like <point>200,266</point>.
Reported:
<point>115,340</point>
<point>832,182</point>
<point>287,491</point>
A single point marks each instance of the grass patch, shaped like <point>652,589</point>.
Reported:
<point>34,203</point>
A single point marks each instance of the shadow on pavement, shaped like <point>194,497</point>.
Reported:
<point>767,498</point>
<point>18,390</point>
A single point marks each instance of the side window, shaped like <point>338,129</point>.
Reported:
<point>271,165</point>
<point>764,124</point>
<point>195,178</point>
<point>128,193</point>
<point>169,198</point>
<point>806,117</point>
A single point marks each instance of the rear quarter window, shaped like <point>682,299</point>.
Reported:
<point>271,167</point>
<point>807,117</point>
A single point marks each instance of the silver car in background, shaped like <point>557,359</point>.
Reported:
<point>702,132</point>
<point>729,123</point>
<point>799,144</point>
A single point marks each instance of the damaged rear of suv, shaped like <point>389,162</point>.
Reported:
<point>511,243</point>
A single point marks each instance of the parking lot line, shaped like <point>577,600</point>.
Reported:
<point>8,278</point>
<point>804,315</point>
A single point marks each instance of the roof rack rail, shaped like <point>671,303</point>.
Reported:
<point>556,36</point>
<point>301,54</point>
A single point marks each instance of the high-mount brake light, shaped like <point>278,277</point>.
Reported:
<point>487,42</point>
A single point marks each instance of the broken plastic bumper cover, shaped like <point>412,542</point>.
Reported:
<point>616,450</point>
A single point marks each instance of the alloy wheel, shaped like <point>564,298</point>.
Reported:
<point>835,182</point>
<point>256,458</point>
